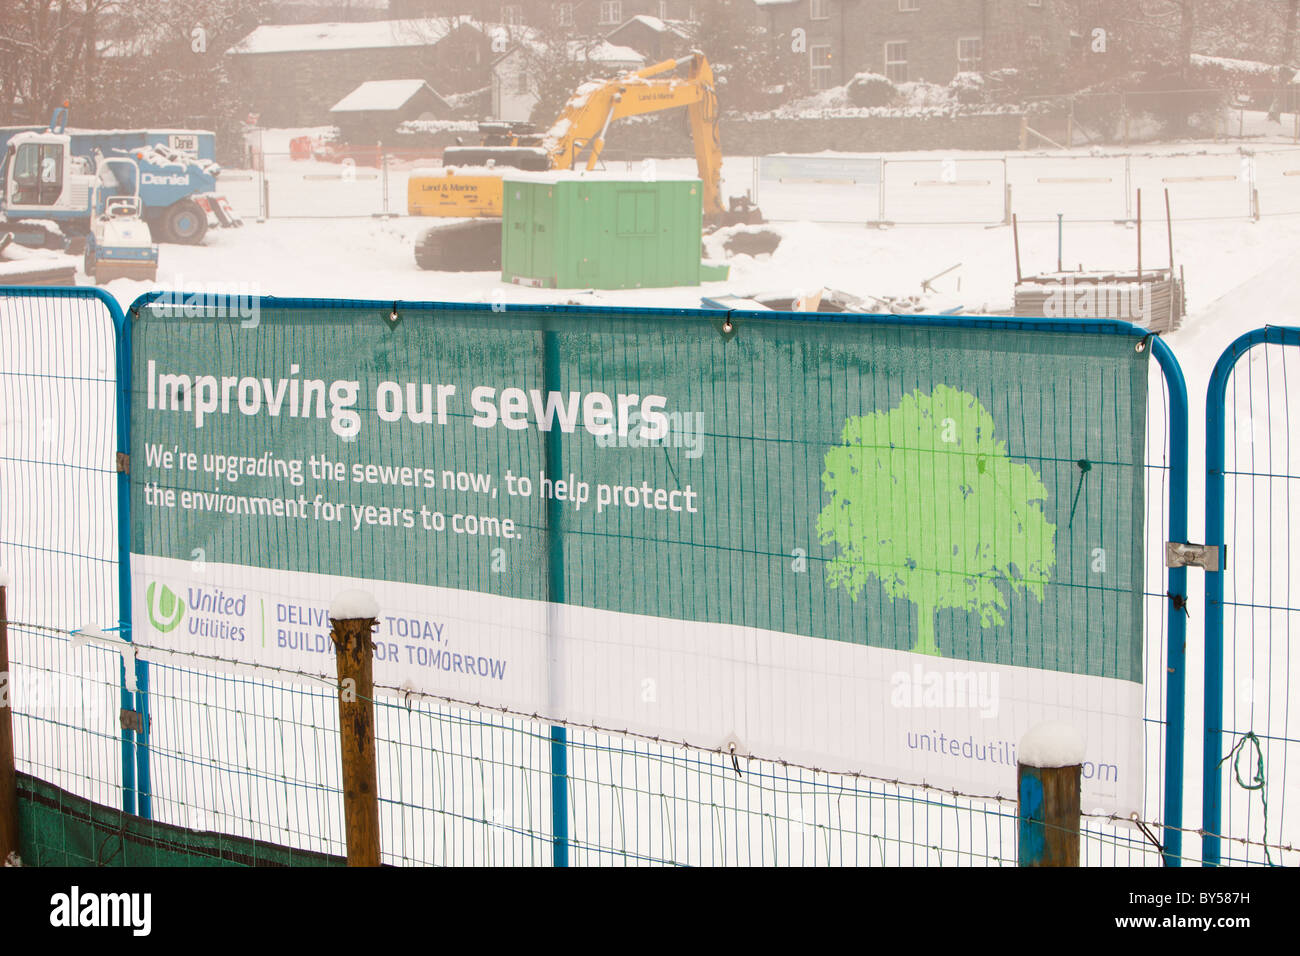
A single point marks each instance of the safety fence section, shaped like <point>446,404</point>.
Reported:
<point>1252,584</point>
<point>253,755</point>
<point>60,539</point>
<point>1082,187</point>
<point>1096,186</point>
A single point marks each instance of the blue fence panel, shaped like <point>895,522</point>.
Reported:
<point>62,537</point>
<point>1251,742</point>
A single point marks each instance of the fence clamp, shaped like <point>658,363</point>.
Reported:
<point>124,463</point>
<point>131,720</point>
<point>1208,557</point>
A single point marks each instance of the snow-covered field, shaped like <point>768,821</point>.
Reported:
<point>1240,275</point>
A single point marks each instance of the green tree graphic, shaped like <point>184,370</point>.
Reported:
<point>925,499</point>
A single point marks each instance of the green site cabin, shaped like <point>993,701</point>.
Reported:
<point>562,231</point>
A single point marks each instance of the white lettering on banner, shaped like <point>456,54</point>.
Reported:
<point>421,403</point>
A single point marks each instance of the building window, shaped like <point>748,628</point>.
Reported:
<point>896,61</point>
<point>970,55</point>
<point>512,16</point>
<point>909,6</point>
<point>819,9</point>
<point>564,15</point>
<point>820,66</point>
<point>663,9</point>
<point>611,12</point>
<point>521,85</point>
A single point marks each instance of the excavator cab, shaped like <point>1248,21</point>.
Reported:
<point>42,184</point>
<point>35,171</point>
<point>509,134</point>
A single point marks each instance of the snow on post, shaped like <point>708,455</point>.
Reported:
<point>354,605</point>
<point>1050,758</point>
<point>5,580</point>
<point>1051,744</point>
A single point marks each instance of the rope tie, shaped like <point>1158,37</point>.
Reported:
<point>1256,781</point>
<point>1085,466</point>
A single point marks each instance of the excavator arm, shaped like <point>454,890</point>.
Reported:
<point>586,118</point>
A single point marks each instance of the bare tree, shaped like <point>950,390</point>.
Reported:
<point>47,49</point>
<point>753,72</point>
<point>1285,62</point>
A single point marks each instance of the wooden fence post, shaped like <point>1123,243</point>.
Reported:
<point>8,773</point>
<point>1050,759</point>
<point>353,618</point>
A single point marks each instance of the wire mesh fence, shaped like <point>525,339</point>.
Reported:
<point>1252,740</point>
<point>59,532</point>
<point>1096,185</point>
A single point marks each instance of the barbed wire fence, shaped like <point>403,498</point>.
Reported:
<point>464,786</point>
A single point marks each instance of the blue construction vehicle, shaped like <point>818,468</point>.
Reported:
<point>49,176</point>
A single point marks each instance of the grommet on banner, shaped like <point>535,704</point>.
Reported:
<point>393,317</point>
<point>725,323</point>
<point>1144,343</point>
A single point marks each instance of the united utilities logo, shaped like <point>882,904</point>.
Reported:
<point>165,608</point>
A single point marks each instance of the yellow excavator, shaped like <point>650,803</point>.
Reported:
<point>469,186</point>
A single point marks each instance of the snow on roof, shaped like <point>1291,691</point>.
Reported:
<point>1234,66</point>
<point>365,35</point>
<point>380,95</point>
<point>655,24</point>
<point>604,52</point>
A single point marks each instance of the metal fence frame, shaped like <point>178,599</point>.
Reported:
<point>137,797</point>
<point>1216,407</point>
<point>134,761</point>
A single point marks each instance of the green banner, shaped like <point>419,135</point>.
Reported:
<point>970,493</point>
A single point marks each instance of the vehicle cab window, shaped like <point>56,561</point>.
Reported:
<point>38,174</point>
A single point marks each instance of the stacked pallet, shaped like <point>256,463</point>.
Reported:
<point>1154,300</point>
